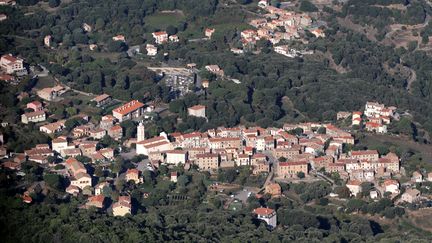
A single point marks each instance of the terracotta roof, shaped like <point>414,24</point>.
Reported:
<point>128,107</point>
<point>191,135</point>
<point>152,145</point>
<point>101,97</point>
<point>10,58</point>
<point>390,182</point>
<point>364,152</point>
<point>6,77</point>
<point>152,140</point>
<point>259,156</point>
<point>243,156</point>
<point>97,156</point>
<point>354,183</point>
<point>36,103</point>
<point>160,33</point>
<point>132,171</point>
<point>116,127</point>
<point>98,199</point>
<point>107,117</point>
<point>72,188</point>
<point>35,113</point>
<point>372,124</point>
<point>220,139</point>
<point>263,211</point>
<point>197,107</point>
<point>175,151</point>
<point>27,199</point>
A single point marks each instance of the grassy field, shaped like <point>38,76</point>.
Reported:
<point>162,20</point>
<point>399,141</point>
<point>421,219</point>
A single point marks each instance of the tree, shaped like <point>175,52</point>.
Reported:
<point>53,3</point>
<point>171,30</point>
<point>306,6</point>
<point>54,181</point>
<point>322,130</point>
<point>343,192</point>
<point>183,180</point>
<point>355,204</point>
<point>301,175</point>
<point>228,175</point>
<point>118,165</point>
<point>116,46</point>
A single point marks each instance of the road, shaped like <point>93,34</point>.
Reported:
<point>81,92</point>
<point>172,70</point>
<point>324,177</point>
<point>243,195</point>
<point>411,79</point>
<point>199,39</point>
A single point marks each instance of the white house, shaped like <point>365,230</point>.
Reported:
<point>160,37</point>
<point>123,206</point>
<point>411,195</point>
<point>267,215</point>
<point>12,64</point>
<point>59,144</point>
<point>197,110</point>
<point>176,156</point>
<point>391,186</point>
<point>354,186</point>
<point>156,144</point>
<point>151,50</point>
<point>36,116</point>
<point>47,41</point>
<point>81,180</point>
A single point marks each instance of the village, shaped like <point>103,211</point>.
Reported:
<point>293,153</point>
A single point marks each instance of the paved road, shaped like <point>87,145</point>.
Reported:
<point>243,195</point>
<point>198,39</point>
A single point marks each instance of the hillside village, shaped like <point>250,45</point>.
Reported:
<point>294,153</point>
<point>103,153</point>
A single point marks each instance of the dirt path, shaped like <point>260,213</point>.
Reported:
<point>411,79</point>
<point>333,65</point>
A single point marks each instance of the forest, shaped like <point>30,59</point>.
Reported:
<point>274,89</point>
<point>199,217</point>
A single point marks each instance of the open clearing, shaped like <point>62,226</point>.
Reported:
<point>401,141</point>
<point>164,19</point>
<point>421,219</point>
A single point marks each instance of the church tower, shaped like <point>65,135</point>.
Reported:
<point>140,132</point>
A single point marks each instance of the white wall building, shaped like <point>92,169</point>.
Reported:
<point>140,132</point>
<point>267,215</point>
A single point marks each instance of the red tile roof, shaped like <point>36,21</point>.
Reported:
<point>197,107</point>
<point>364,152</point>
<point>129,107</point>
<point>263,211</point>
<point>354,183</point>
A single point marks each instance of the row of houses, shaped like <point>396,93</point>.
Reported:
<point>255,146</point>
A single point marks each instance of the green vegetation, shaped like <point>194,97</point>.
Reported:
<point>161,21</point>
<point>307,6</point>
<point>185,211</point>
